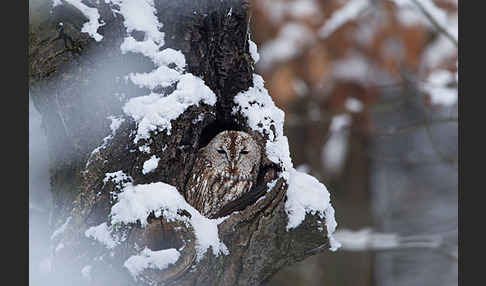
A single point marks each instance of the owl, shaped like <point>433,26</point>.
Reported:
<point>223,171</point>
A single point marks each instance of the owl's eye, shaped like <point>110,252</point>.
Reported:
<point>244,152</point>
<point>221,151</point>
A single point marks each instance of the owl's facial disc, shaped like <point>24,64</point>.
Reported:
<point>234,155</point>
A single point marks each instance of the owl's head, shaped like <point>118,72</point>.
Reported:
<point>234,154</point>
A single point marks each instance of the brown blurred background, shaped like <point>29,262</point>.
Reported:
<point>369,88</point>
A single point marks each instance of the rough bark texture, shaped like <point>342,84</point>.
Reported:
<point>75,92</point>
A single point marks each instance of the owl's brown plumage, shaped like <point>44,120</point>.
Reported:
<point>224,170</point>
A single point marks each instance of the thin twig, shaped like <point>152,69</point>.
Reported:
<point>434,22</point>
<point>414,126</point>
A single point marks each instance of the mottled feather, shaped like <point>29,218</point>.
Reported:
<point>224,170</point>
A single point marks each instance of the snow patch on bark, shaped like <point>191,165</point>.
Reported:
<point>307,195</point>
<point>102,233</point>
<point>94,21</point>
<point>147,258</point>
<point>154,111</point>
<point>136,202</point>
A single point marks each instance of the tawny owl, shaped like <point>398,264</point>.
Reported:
<point>224,170</point>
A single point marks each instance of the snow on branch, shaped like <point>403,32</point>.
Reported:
<point>439,19</point>
<point>291,40</point>
<point>335,149</point>
<point>445,24</point>
<point>348,12</point>
<point>305,194</point>
<point>154,111</point>
<point>441,87</point>
<point>367,239</point>
<point>298,9</point>
<point>94,21</point>
<point>136,202</point>
<point>102,233</point>
<point>147,258</point>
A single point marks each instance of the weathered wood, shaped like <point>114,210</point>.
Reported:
<point>76,92</point>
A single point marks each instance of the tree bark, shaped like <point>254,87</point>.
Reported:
<point>76,83</point>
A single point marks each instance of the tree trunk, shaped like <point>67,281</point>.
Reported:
<point>77,82</point>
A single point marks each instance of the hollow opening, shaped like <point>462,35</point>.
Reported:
<point>213,129</point>
<point>160,235</point>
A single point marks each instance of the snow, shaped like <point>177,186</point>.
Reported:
<point>304,168</point>
<point>162,76</point>
<point>253,51</point>
<point>56,3</point>
<point>140,15</point>
<point>335,149</point>
<point>334,152</point>
<point>262,115</point>
<point>170,56</point>
<point>59,247</point>
<point>150,164</point>
<point>354,105</point>
<point>438,14</point>
<point>116,177</point>
<point>147,47</point>
<point>206,231</point>
<point>409,14</point>
<point>144,148</point>
<point>259,109</point>
<point>102,146</point>
<point>86,271</point>
<point>365,239</point>
<point>61,229</point>
<point>353,68</point>
<point>438,51</point>
<point>154,112</point>
<point>90,27</point>
<point>339,122</point>
<point>150,49</point>
<point>331,224</point>
<point>305,194</point>
<point>303,8</point>
<point>102,233</point>
<point>278,10</point>
<point>348,12</point>
<point>291,40</point>
<point>136,202</point>
<point>439,92</point>
<point>147,258</point>
<point>278,152</point>
<point>300,87</point>
<point>45,266</point>
<point>115,123</point>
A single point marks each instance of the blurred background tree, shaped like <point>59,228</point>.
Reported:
<point>370,93</point>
